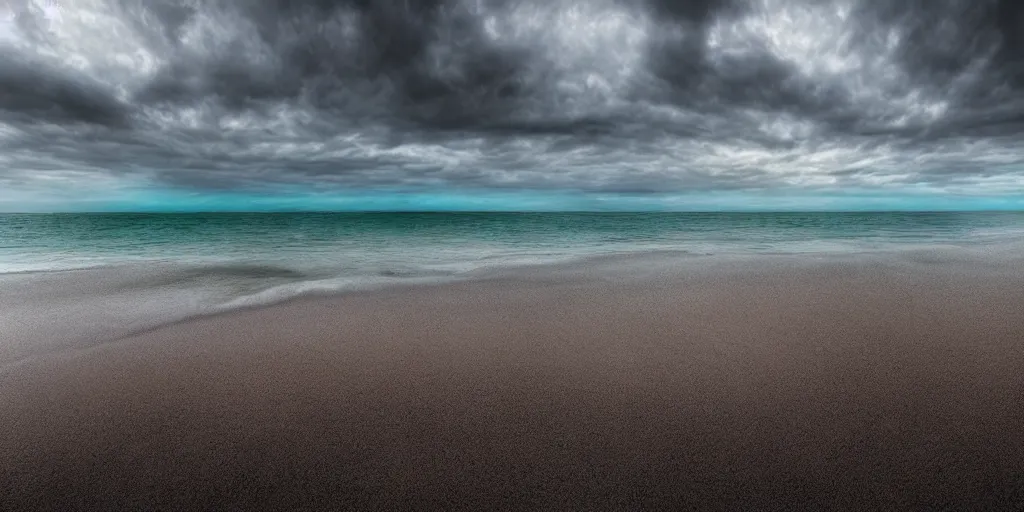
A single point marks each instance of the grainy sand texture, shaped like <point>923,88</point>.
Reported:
<point>827,386</point>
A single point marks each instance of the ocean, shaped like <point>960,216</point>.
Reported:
<point>69,279</point>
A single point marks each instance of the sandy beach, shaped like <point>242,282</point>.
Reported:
<point>850,386</point>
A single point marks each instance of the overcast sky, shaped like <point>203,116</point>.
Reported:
<point>700,104</point>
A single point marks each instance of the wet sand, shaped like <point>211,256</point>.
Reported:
<point>832,386</point>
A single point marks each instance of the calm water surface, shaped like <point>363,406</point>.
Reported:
<point>109,274</point>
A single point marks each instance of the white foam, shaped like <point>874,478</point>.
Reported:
<point>332,286</point>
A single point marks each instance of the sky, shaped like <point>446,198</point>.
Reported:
<point>511,104</point>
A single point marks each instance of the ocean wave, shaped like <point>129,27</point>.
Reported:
<point>325,287</point>
<point>244,270</point>
<point>226,273</point>
<point>82,307</point>
<point>15,269</point>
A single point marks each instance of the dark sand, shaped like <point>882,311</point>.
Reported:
<point>859,387</point>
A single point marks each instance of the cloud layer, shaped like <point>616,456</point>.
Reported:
<point>597,96</point>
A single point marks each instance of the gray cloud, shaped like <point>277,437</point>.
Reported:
<point>598,95</point>
<point>32,93</point>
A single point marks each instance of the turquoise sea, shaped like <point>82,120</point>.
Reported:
<point>111,274</point>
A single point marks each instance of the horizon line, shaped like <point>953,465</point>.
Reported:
<point>207,212</point>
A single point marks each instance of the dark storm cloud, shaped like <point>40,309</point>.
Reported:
<point>598,95</point>
<point>31,93</point>
<point>337,55</point>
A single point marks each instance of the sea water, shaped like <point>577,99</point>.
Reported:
<point>70,278</point>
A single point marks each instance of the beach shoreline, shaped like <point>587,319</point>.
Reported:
<point>792,386</point>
